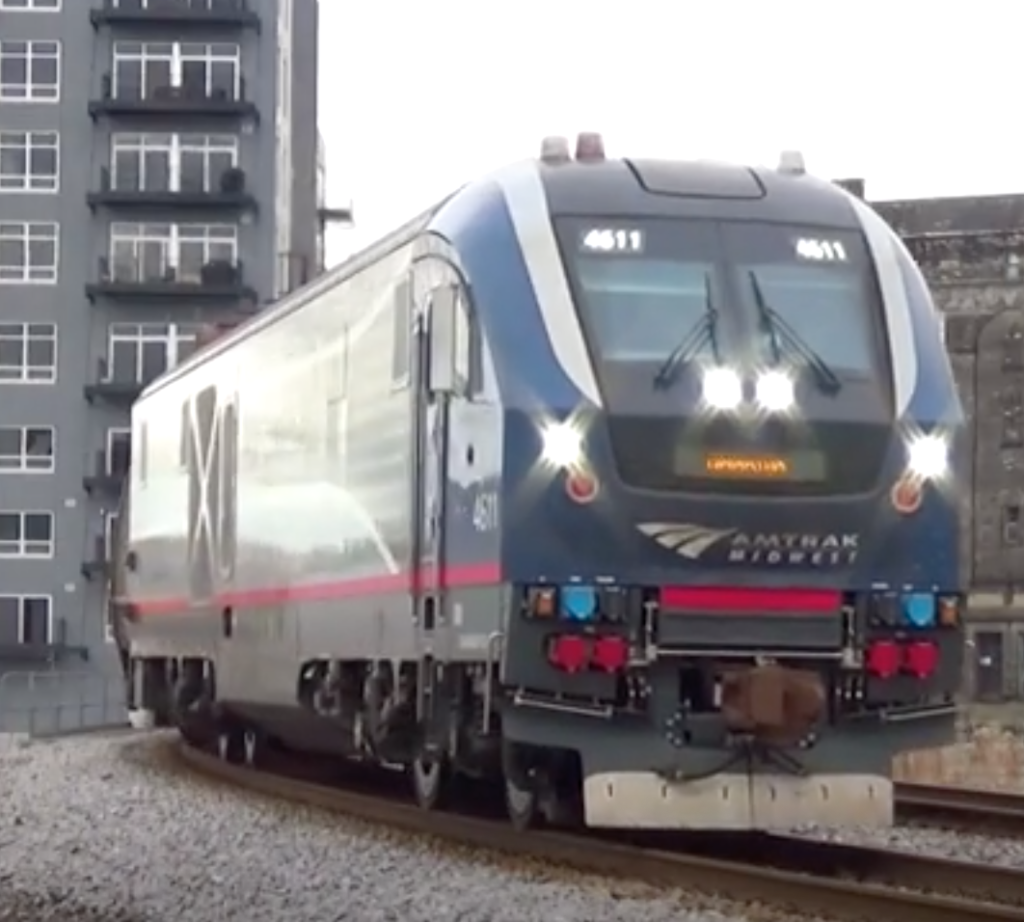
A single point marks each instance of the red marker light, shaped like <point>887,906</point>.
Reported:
<point>883,659</point>
<point>610,653</point>
<point>569,653</point>
<point>589,146</point>
<point>581,486</point>
<point>920,659</point>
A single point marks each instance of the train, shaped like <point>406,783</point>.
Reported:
<point>626,486</point>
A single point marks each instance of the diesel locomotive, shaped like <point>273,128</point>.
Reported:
<point>625,484</point>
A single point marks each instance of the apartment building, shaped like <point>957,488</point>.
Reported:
<point>160,169</point>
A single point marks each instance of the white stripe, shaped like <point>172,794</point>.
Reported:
<point>528,207</point>
<point>883,244</point>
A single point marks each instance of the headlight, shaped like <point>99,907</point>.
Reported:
<point>775,391</point>
<point>723,389</point>
<point>563,445</point>
<point>928,457</point>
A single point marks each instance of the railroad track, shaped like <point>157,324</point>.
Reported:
<point>807,877</point>
<point>963,807</point>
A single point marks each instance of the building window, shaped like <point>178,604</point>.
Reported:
<point>29,71</point>
<point>29,161</point>
<point>26,534</point>
<point>31,6</point>
<point>28,252</point>
<point>171,162</point>
<point>1013,418</point>
<point>1013,349</point>
<point>1011,524</point>
<point>119,452</point>
<point>28,353</point>
<point>200,70</point>
<point>26,620</point>
<point>140,352</point>
<point>169,252</point>
<point>26,449</point>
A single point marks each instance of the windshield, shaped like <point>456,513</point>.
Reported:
<point>663,301</point>
<point>643,286</point>
<point>817,283</point>
<point>639,308</point>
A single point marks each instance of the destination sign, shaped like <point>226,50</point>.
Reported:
<point>761,467</point>
<point>802,465</point>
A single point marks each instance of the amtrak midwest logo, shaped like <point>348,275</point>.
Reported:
<point>732,545</point>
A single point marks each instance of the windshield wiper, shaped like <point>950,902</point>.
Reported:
<point>782,336</point>
<point>703,333</point>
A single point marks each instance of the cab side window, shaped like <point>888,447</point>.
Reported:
<point>463,345</point>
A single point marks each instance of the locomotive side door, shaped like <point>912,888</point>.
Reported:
<point>433,385</point>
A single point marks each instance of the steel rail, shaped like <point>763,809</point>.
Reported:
<point>800,891</point>
<point>964,806</point>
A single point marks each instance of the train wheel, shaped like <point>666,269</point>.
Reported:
<point>254,747</point>
<point>230,745</point>
<point>430,780</point>
<point>523,806</point>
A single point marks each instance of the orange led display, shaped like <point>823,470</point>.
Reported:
<point>761,467</point>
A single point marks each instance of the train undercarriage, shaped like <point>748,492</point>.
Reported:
<point>694,735</point>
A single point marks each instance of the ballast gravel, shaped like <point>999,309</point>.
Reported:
<point>95,829</point>
<point>979,848</point>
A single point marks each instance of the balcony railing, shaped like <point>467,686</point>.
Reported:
<point>135,279</point>
<point>203,14</point>
<point>55,650</point>
<point>107,475</point>
<point>166,100</point>
<point>228,193</point>
<point>107,388</point>
<point>97,565</point>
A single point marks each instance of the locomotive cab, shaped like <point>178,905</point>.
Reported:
<point>744,597</point>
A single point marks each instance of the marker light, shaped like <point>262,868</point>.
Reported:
<point>921,659</point>
<point>569,653</point>
<point>589,146</point>
<point>928,457</point>
<point>792,162</point>
<point>919,608</point>
<point>563,445</point>
<point>579,603</point>
<point>610,654</point>
<point>883,659</point>
<point>723,389</point>
<point>774,391</point>
<point>949,611</point>
<point>555,149</point>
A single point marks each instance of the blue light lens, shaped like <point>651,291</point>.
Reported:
<point>579,603</point>
<point>919,609</point>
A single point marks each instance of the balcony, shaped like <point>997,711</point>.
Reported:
<point>97,566</point>
<point>181,14</point>
<point>55,651</point>
<point>192,102</point>
<point>107,476</point>
<point>119,392</point>
<point>135,280</point>
<point>228,194</point>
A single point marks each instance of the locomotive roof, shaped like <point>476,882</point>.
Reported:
<point>663,188</point>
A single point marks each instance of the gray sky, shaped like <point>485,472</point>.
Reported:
<point>921,98</point>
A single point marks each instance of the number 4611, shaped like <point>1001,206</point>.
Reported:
<point>820,250</point>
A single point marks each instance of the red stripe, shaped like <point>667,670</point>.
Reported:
<point>751,601</point>
<point>481,574</point>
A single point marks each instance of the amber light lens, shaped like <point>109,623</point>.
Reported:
<point>949,612</point>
